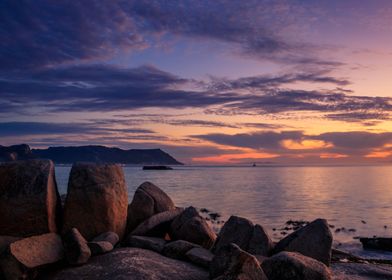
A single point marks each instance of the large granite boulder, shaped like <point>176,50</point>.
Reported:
<point>158,224</point>
<point>294,266</point>
<point>190,226</point>
<point>132,263</point>
<point>249,237</point>
<point>313,240</point>
<point>148,200</point>
<point>97,200</point>
<point>29,199</point>
<point>23,258</point>
<point>76,248</point>
<point>232,263</point>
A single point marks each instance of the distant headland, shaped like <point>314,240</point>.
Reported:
<point>71,154</point>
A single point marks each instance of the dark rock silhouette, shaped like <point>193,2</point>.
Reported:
<point>294,266</point>
<point>313,240</point>
<point>106,154</point>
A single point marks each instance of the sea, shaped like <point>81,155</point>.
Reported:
<point>356,200</point>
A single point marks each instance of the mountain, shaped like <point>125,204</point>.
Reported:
<point>89,153</point>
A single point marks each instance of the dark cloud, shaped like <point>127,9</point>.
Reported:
<point>41,33</point>
<point>266,81</point>
<point>44,128</point>
<point>109,88</point>
<point>362,117</point>
<point>356,140</point>
<point>277,101</point>
<point>354,143</point>
<point>105,88</point>
<point>257,140</point>
<point>266,126</point>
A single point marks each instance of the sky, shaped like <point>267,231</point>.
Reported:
<point>210,82</point>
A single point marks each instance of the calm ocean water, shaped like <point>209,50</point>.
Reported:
<point>358,198</point>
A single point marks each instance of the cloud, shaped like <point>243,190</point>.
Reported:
<point>354,143</point>
<point>44,128</point>
<point>268,81</point>
<point>256,140</point>
<point>43,33</point>
<point>39,34</point>
<point>105,88</point>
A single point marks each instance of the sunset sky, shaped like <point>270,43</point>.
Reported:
<point>210,82</point>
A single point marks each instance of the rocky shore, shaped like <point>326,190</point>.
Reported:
<point>96,234</point>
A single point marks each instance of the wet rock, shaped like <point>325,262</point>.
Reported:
<point>24,257</point>
<point>150,243</point>
<point>177,249</point>
<point>108,236</point>
<point>236,230</point>
<point>157,225</point>
<point>132,263</point>
<point>294,266</point>
<point>190,226</point>
<point>148,200</point>
<point>200,256</point>
<point>97,200</point>
<point>248,237</point>
<point>233,263</point>
<point>76,249</point>
<point>99,247</point>
<point>377,243</point>
<point>313,240</point>
<point>260,243</point>
<point>29,199</point>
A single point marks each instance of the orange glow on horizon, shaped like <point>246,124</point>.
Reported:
<point>232,158</point>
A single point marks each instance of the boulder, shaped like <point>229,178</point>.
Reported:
<point>232,263</point>
<point>109,236</point>
<point>249,237</point>
<point>200,256</point>
<point>97,200</point>
<point>313,240</point>
<point>29,199</point>
<point>190,226</point>
<point>23,258</point>
<point>294,266</point>
<point>260,243</point>
<point>148,200</point>
<point>132,263</point>
<point>377,243</point>
<point>158,224</point>
<point>100,247</point>
<point>150,243</point>
<point>177,249</point>
<point>76,249</point>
